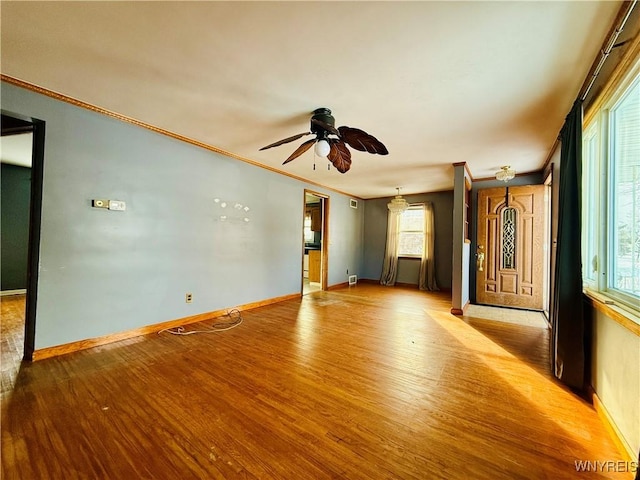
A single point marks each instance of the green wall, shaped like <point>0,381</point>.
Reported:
<point>16,189</point>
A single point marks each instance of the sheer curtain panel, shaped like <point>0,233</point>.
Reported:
<point>427,263</point>
<point>390,265</point>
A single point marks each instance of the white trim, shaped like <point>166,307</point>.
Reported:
<point>602,175</point>
<point>6,293</point>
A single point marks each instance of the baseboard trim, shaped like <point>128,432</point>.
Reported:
<point>397,284</point>
<point>404,285</point>
<point>460,311</point>
<point>20,291</point>
<point>611,427</point>
<point>66,348</point>
<point>338,286</point>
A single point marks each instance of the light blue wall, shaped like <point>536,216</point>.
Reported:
<point>103,272</point>
<point>460,261</point>
<point>346,235</point>
<point>615,375</point>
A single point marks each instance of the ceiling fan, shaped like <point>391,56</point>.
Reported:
<point>327,145</point>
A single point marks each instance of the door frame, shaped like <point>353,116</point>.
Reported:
<point>542,251</point>
<point>549,247</point>
<point>324,245</point>
<point>37,127</point>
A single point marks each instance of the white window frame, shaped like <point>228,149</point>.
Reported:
<point>413,206</point>
<point>308,233</point>
<point>600,175</point>
<point>591,205</point>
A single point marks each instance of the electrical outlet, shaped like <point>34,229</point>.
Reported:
<point>188,297</point>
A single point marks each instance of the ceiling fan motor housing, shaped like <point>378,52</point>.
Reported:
<point>322,115</point>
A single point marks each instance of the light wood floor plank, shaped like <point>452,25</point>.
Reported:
<point>366,382</point>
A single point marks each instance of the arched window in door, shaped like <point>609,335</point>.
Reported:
<point>509,225</point>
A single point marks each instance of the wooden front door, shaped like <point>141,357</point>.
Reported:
<point>509,256</point>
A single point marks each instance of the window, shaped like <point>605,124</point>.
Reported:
<point>411,232</point>
<point>611,195</point>
<point>625,186</point>
<point>308,233</point>
<point>590,159</point>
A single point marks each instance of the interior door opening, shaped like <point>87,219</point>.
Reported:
<point>22,175</point>
<point>314,232</point>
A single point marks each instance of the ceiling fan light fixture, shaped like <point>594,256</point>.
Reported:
<point>397,203</point>
<point>505,174</point>
<point>322,148</point>
<point>333,147</point>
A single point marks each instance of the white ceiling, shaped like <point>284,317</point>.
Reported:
<point>487,83</point>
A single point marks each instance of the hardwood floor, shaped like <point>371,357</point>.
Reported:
<point>12,312</point>
<point>366,382</point>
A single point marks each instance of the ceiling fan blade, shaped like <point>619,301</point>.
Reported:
<point>286,140</point>
<point>361,140</point>
<point>300,150</point>
<point>339,155</point>
<point>325,126</point>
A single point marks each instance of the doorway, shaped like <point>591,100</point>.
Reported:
<point>510,255</point>
<point>314,233</point>
<point>22,170</point>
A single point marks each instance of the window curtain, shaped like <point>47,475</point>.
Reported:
<point>568,325</point>
<point>390,265</point>
<point>427,264</point>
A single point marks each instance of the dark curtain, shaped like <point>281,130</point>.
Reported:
<point>568,326</point>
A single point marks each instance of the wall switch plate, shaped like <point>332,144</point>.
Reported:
<point>117,205</point>
<point>100,203</point>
